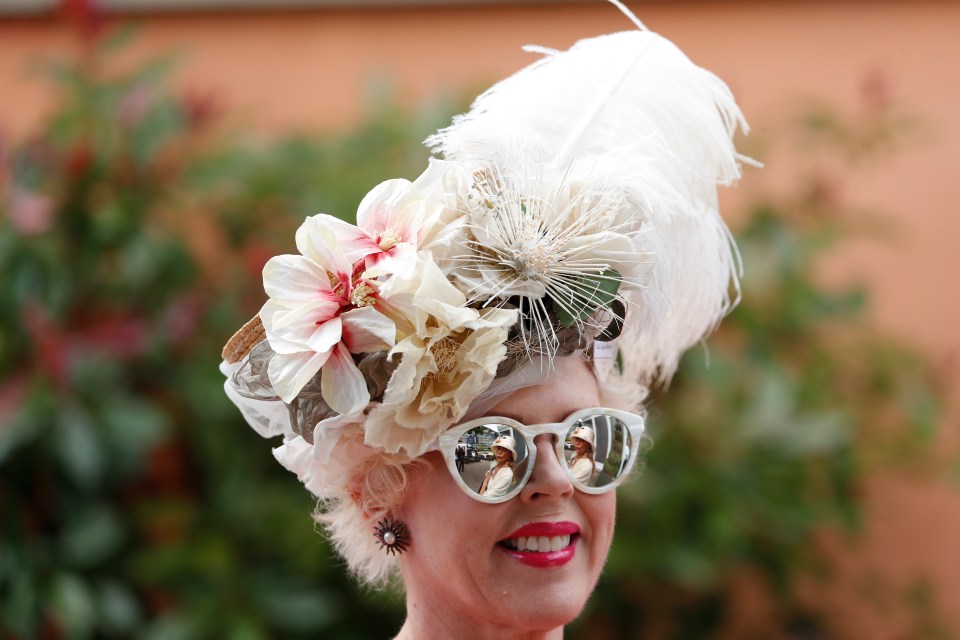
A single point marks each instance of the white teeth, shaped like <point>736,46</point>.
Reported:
<point>540,543</point>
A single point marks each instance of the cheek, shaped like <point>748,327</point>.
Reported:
<point>601,511</point>
<point>427,487</point>
<point>431,505</point>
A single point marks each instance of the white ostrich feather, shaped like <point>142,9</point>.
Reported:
<point>627,109</point>
<point>632,93</point>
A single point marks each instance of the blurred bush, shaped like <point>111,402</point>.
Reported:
<point>136,503</point>
<point>765,437</point>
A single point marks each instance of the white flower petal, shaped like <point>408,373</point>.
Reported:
<point>610,247</point>
<point>291,280</point>
<point>294,330</point>
<point>445,186</point>
<point>356,243</point>
<point>433,288</point>
<point>393,261</point>
<point>386,207</point>
<point>366,330</point>
<point>289,373</point>
<point>317,241</point>
<point>326,335</point>
<point>326,435</point>
<point>342,384</point>
<point>295,455</point>
<point>283,331</point>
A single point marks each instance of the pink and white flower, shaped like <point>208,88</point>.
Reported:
<point>320,311</point>
<point>391,222</point>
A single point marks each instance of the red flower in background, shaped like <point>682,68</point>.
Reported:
<point>29,212</point>
<point>49,342</point>
<point>119,338</point>
<point>255,256</point>
<point>199,108</point>
<point>78,160</point>
<point>876,91</point>
<point>86,16</point>
<point>135,105</point>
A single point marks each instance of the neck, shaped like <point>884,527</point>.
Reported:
<point>425,619</point>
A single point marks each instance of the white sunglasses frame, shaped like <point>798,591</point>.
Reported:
<point>448,441</point>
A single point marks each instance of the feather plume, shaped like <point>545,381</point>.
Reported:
<point>633,93</point>
<point>631,110</point>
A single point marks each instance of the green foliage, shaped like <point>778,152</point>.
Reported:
<point>762,442</point>
<point>592,293</point>
<point>136,503</point>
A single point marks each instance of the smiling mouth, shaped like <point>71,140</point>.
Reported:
<point>539,544</point>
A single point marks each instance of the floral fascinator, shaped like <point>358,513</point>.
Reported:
<point>573,209</point>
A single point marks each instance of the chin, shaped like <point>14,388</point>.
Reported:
<point>548,615</point>
<point>545,606</point>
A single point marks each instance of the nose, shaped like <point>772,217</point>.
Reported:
<point>548,480</point>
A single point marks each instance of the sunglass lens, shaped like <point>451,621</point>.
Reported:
<point>492,459</point>
<point>597,450</point>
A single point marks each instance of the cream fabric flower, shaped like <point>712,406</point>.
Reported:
<point>446,186</point>
<point>327,466</point>
<point>449,357</point>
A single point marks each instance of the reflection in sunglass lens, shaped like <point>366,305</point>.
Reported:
<point>492,459</point>
<point>597,450</point>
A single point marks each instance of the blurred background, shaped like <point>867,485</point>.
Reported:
<point>805,482</point>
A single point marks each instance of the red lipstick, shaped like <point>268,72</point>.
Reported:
<point>543,559</point>
<point>546,529</point>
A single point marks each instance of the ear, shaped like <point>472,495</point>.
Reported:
<point>381,489</point>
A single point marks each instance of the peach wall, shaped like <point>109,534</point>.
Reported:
<point>308,70</point>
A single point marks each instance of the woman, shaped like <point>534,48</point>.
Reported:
<point>582,463</point>
<point>499,477</point>
<point>495,589</point>
<point>556,262</point>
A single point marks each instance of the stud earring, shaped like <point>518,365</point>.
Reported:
<point>392,535</point>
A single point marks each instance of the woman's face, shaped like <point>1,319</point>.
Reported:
<point>463,567</point>
<point>581,446</point>
<point>503,455</point>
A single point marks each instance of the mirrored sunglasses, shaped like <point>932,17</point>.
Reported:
<point>492,458</point>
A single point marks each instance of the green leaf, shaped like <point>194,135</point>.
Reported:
<point>591,293</point>
<point>79,447</point>
<point>132,427</point>
<point>118,38</point>
<point>73,604</point>
<point>118,608</point>
<point>92,536</point>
